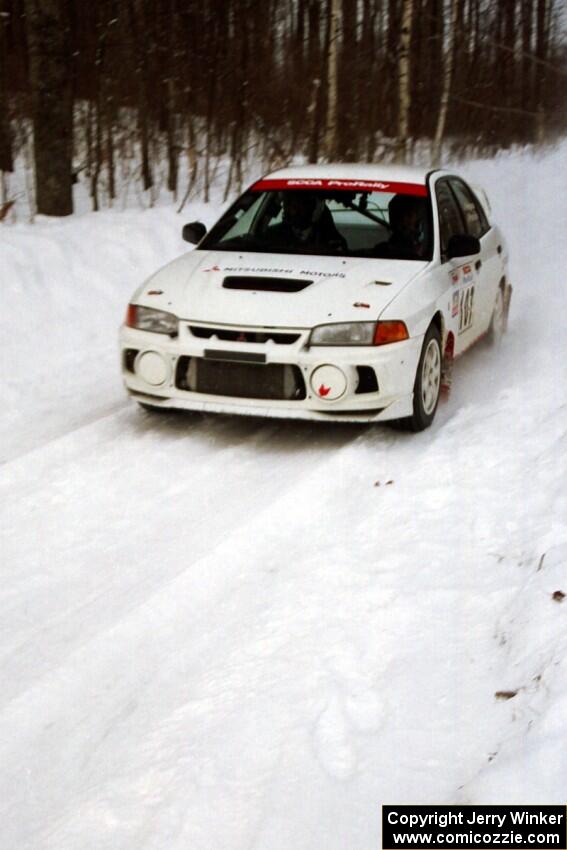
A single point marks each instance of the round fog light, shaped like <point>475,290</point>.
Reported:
<point>328,382</point>
<point>152,368</point>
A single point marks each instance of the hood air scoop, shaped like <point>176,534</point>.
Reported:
<point>265,284</point>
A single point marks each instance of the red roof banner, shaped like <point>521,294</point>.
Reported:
<point>298,183</point>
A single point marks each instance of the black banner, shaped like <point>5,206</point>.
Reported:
<point>461,827</point>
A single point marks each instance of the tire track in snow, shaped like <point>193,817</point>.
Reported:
<point>70,589</point>
<point>239,663</point>
<point>172,616</point>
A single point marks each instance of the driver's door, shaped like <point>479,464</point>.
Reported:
<point>487,263</point>
<point>462,272</point>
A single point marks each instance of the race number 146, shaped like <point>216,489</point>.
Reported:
<point>466,300</point>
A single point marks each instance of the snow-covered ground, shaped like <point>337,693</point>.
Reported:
<point>233,634</point>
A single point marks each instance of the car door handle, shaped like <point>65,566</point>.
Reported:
<point>478,264</point>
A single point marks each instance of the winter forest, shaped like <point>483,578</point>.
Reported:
<point>158,92</point>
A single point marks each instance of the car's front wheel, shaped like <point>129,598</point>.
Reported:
<point>427,385</point>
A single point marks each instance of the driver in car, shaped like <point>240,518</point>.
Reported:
<point>307,224</point>
<point>407,216</point>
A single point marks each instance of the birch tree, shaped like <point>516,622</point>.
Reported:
<point>404,82</point>
<point>448,61</point>
<point>331,140</point>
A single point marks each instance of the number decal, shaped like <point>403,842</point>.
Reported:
<point>466,301</point>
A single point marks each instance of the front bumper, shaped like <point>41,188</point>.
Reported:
<point>352,384</point>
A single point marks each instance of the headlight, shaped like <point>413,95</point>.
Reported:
<point>148,319</point>
<point>347,333</point>
<point>359,333</point>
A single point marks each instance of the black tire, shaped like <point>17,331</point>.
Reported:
<point>427,386</point>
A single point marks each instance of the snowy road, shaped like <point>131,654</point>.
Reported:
<point>223,634</point>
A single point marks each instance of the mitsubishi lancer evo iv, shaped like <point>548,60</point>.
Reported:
<point>331,292</point>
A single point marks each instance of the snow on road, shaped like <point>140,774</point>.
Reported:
<point>224,633</point>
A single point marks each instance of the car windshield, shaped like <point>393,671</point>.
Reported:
<point>357,219</point>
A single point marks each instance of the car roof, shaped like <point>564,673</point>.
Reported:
<point>353,171</point>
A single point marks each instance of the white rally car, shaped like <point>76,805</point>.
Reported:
<point>330,292</point>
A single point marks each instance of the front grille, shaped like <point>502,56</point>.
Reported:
<point>263,336</point>
<point>273,382</point>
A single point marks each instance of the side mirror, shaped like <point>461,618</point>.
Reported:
<point>462,245</point>
<point>193,232</point>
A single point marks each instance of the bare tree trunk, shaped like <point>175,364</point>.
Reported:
<point>138,25</point>
<point>447,79</point>
<point>527,71</point>
<point>509,62</point>
<point>542,36</point>
<point>404,79</point>
<point>349,86</point>
<point>97,167</point>
<point>6,158</point>
<point>228,186</point>
<point>331,139</point>
<point>389,67</point>
<point>143,124</point>
<point>193,163</point>
<point>110,156</point>
<point>171,89</point>
<point>97,110</point>
<point>172,142</point>
<point>207,185</point>
<point>52,105</point>
<point>318,60</point>
<point>367,71</point>
<point>314,112</point>
<point>367,64</point>
<point>300,38</point>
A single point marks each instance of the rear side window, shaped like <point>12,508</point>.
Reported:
<point>473,214</point>
<point>450,219</point>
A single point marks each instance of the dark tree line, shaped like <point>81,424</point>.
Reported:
<point>116,83</point>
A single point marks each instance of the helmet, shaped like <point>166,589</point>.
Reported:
<point>402,207</point>
<point>301,210</point>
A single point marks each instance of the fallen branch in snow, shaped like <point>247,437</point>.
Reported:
<point>502,695</point>
<point>5,209</point>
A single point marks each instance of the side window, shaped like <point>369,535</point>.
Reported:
<point>475,219</point>
<point>484,221</point>
<point>450,220</point>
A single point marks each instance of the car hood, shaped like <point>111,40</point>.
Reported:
<point>335,289</point>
